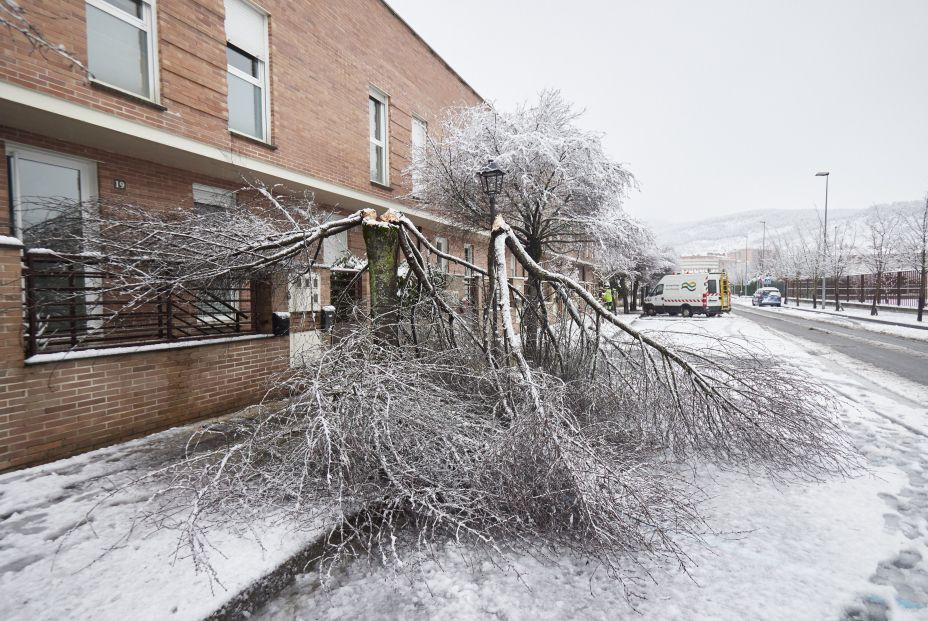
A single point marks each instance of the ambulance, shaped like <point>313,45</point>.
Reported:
<point>705,293</point>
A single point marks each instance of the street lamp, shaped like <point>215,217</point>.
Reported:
<point>491,177</point>
<point>825,233</point>
<point>744,274</point>
<point>763,256</point>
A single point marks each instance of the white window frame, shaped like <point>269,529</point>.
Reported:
<point>150,25</point>
<point>413,148</point>
<point>261,81</point>
<point>441,243</point>
<point>469,258</point>
<point>380,96</point>
<point>87,168</point>
<point>88,188</point>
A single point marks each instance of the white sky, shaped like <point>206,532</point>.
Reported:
<point>717,106</point>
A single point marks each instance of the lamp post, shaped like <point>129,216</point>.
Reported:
<point>763,256</point>
<point>825,233</point>
<point>744,275</point>
<point>491,177</point>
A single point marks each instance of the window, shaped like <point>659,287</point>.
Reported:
<point>441,263</point>
<point>420,131</point>
<point>121,45</point>
<point>468,258</point>
<point>207,199</point>
<point>246,63</point>
<point>335,249</point>
<point>50,195</point>
<point>221,301</point>
<point>377,116</point>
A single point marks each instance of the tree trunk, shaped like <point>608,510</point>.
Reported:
<point>635,285</point>
<point>837,292</point>
<point>618,288</point>
<point>530,318</point>
<point>382,244</point>
<point>623,284</point>
<point>921,287</point>
<point>876,294</point>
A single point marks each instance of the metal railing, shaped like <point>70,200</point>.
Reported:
<point>896,289</point>
<point>72,303</point>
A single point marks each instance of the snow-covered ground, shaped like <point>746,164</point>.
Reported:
<point>849,549</point>
<point>58,562</point>
<point>830,550</point>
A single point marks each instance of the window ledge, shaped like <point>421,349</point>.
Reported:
<point>257,141</point>
<point>382,186</point>
<point>115,90</point>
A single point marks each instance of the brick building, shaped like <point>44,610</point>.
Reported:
<point>186,99</point>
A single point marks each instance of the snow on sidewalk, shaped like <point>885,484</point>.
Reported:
<point>833,550</point>
<point>54,565</point>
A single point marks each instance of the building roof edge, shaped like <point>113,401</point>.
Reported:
<point>432,50</point>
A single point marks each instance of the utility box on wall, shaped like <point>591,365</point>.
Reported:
<point>305,293</point>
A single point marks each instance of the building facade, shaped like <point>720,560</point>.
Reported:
<point>181,103</point>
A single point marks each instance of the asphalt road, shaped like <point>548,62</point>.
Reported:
<point>905,357</point>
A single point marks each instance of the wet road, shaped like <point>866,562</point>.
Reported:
<point>905,357</point>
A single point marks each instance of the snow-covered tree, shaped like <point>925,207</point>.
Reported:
<point>797,255</point>
<point>842,250</point>
<point>624,248</point>
<point>559,190</point>
<point>914,249</point>
<point>880,250</point>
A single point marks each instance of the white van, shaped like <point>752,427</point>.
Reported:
<point>687,294</point>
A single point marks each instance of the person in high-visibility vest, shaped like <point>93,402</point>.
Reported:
<point>608,299</point>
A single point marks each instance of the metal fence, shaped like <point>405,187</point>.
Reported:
<point>897,288</point>
<point>70,303</point>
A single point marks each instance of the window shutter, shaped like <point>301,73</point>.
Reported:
<point>245,28</point>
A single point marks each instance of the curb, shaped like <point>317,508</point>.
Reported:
<point>264,589</point>
<point>886,322</point>
<point>253,597</point>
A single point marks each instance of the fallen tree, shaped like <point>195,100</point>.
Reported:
<point>432,420</point>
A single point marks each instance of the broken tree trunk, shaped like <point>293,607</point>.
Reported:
<point>381,240</point>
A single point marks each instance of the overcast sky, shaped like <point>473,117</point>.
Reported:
<point>717,106</point>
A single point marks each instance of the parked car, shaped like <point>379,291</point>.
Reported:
<point>767,296</point>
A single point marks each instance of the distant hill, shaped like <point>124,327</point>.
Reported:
<point>727,233</point>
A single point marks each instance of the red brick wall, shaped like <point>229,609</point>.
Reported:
<point>52,410</point>
<point>148,184</point>
<point>324,55</point>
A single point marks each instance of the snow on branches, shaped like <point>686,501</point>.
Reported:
<point>559,180</point>
<point>448,429</point>
<point>437,418</point>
